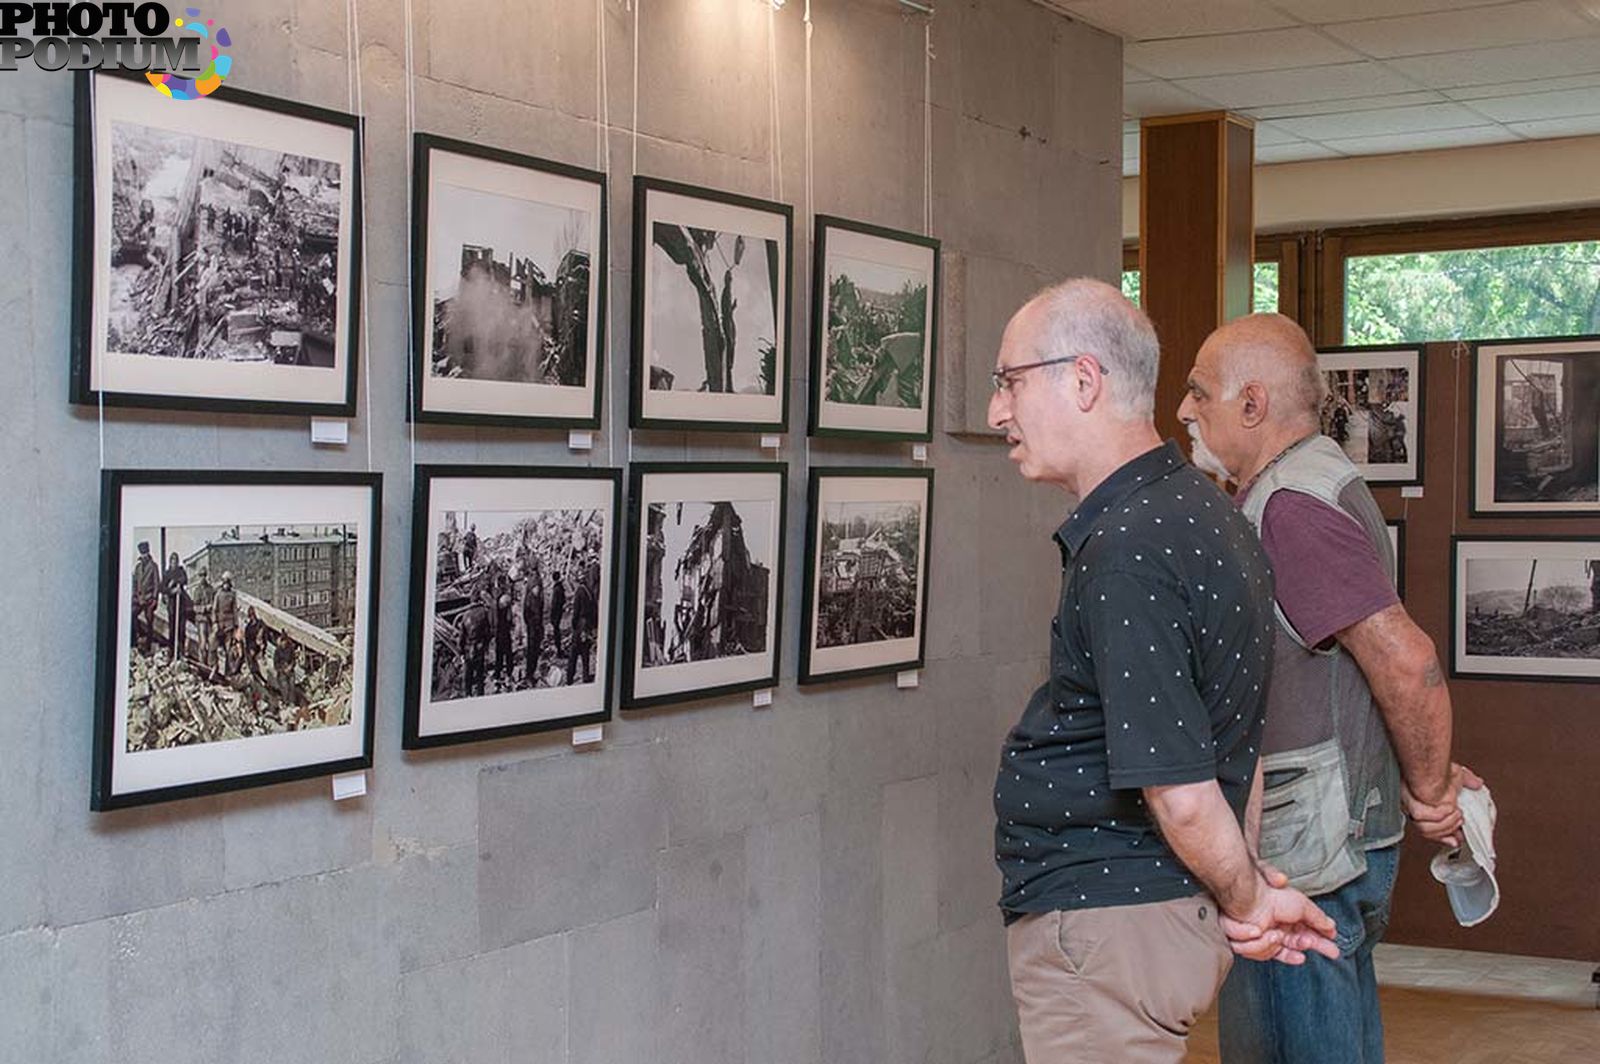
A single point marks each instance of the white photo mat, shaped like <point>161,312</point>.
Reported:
<point>1517,552</point>
<point>156,505</point>
<point>1409,360</point>
<point>474,713</point>
<point>120,100</point>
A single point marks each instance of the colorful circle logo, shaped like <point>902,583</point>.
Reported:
<point>216,71</point>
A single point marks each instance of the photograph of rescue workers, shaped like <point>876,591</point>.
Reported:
<point>239,631</point>
<point>517,601</point>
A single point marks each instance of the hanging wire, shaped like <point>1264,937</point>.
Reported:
<point>810,223</point>
<point>602,120</point>
<point>411,339</point>
<point>1457,355</point>
<point>364,339</point>
<point>774,107</point>
<point>634,170</point>
<point>99,392</point>
<point>927,125</point>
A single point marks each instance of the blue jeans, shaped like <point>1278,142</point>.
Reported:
<point>1322,1012</point>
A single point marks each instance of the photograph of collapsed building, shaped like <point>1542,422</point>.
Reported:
<point>1547,429</point>
<point>868,576</point>
<point>221,251</point>
<point>509,279</point>
<point>714,311</point>
<point>239,631</point>
<point>708,572</point>
<point>1528,608</point>
<point>874,344</point>
<point>516,602</point>
<point>1372,410</point>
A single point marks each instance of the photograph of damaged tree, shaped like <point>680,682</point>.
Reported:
<point>217,252</point>
<point>236,633</point>
<point>509,272</point>
<point>710,309</point>
<point>1526,609</point>
<point>511,601</point>
<point>874,331</point>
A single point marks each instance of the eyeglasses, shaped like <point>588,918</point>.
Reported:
<point>1004,376</point>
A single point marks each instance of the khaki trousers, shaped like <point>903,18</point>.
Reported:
<point>1116,985</point>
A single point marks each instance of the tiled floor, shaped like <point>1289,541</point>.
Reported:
<point>1454,1007</point>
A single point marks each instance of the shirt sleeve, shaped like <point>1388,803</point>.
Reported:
<point>1329,575</point>
<point>1141,636</point>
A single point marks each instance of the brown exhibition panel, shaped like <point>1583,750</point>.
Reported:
<point>1536,744</point>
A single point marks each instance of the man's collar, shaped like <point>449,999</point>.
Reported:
<point>1158,463</point>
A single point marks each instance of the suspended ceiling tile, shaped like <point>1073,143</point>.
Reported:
<point>1517,88</point>
<point>1488,66</point>
<point>1533,107</point>
<point>1320,11</point>
<point>1130,75</point>
<point>1236,53</point>
<point>1161,98</point>
<point>1297,86</point>
<point>1271,135</point>
<point>1358,103</point>
<point>1294,153</point>
<point>1426,140</point>
<point>1581,126</point>
<point>1452,31</point>
<point>1383,122</point>
<point>1140,20</point>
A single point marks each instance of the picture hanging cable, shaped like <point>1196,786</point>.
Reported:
<point>411,128</point>
<point>100,392</point>
<point>637,5</point>
<point>603,152</point>
<point>1457,354</point>
<point>364,338</point>
<point>774,108</point>
<point>808,167</point>
<point>927,125</point>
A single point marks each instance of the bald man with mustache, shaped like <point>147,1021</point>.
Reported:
<point>1358,718</point>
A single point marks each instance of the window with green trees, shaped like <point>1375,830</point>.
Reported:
<point>1130,285</point>
<point>1472,294</point>
<point>1266,287</point>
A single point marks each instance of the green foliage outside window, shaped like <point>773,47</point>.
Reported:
<point>1265,296</point>
<point>1480,293</point>
<point>1130,285</point>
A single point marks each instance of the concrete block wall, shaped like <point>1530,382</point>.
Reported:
<point>806,883</point>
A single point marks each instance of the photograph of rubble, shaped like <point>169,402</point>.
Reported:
<point>219,247</point>
<point>1526,609</point>
<point>1536,428</point>
<point>509,280</point>
<point>1373,409</point>
<point>236,630</point>
<point>703,598</point>
<point>711,309</point>
<point>866,572</point>
<point>512,591</point>
<point>874,331</point>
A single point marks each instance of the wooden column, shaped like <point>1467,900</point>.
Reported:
<point>1196,237</point>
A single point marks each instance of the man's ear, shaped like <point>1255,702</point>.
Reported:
<point>1089,384</point>
<point>1253,404</point>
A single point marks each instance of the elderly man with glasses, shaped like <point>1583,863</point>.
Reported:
<point>1122,790</point>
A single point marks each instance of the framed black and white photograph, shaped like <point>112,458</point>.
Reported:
<point>874,331</point>
<point>1525,609</point>
<point>513,594</point>
<point>238,630</point>
<point>1397,547</point>
<point>711,298</point>
<point>1536,427</point>
<point>1373,409</point>
<point>217,250</point>
<point>508,288</point>
<point>866,590</point>
<point>705,580</point>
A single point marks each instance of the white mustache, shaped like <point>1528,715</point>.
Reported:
<point>1204,458</point>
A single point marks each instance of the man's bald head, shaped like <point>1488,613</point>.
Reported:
<point>1084,316</point>
<point>1274,351</point>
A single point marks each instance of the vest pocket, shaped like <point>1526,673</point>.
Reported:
<point>1305,819</point>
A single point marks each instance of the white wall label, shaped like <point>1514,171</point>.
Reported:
<point>580,440</point>
<point>349,785</point>
<point>591,733</point>
<point>908,678</point>
<point>762,697</point>
<point>330,430</point>
<point>1414,491</point>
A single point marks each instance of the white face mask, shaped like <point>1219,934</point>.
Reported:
<point>1203,457</point>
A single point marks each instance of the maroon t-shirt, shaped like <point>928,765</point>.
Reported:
<point>1329,575</point>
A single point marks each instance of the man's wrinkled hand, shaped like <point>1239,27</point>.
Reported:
<point>1284,926</point>
<point>1438,818</point>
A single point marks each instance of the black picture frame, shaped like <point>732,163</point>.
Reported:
<point>811,670</point>
<point>545,409</point>
<point>90,319</point>
<point>606,485</point>
<point>1397,542</point>
<point>1461,665</point>
<point>1483,434</point>
<point>712,414</point>
<point>822,420</point>
<point>222,496</point>
<point>724,478</point>
<point>1387,356</point>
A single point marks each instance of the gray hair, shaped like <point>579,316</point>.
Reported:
<point>1084,316</point>
<point>1274,350</point>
